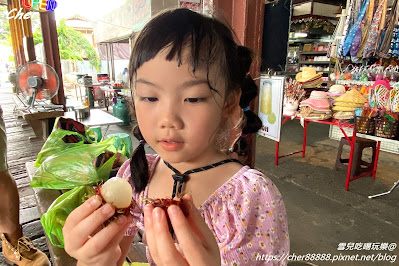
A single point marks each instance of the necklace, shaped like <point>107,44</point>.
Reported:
<point>180,178</point>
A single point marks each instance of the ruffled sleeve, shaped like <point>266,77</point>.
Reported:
<point>136,212</point>
<point>248,218</point>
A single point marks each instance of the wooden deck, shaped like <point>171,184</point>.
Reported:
<point>19,151</point>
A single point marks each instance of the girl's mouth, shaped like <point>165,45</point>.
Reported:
<point>170,145</point>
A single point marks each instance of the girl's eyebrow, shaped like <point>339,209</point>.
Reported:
<point>144,81</point>
<point>186,84</point>
<point>193,82</point>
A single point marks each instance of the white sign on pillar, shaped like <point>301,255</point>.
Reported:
<point>271,106</point>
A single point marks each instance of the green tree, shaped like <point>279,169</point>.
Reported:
<point>72,44</point>
<point>4,25</point>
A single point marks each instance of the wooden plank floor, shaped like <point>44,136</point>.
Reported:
<point>19,151</point>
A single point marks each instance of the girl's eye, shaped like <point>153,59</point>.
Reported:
<point>194,100</point>
<point>149,99</point>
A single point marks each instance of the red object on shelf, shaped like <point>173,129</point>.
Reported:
<point>351,140</point>
<point>102,77</point>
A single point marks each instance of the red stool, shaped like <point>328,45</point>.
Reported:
<point>359,166</point>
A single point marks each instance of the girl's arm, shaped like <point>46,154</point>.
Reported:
<point>125,244</point>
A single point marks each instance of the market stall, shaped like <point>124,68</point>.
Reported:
<point>365,115</point>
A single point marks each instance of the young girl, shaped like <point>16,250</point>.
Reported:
<point>189,79</point>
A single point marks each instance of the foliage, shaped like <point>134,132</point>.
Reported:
<point>72,44</point>
<point>4,25</point>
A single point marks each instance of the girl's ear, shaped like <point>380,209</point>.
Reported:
<point>232,103</point>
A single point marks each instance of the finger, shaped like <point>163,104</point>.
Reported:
<point>197,222</point>
<point>81,212</point>
<point>108,238</point>
<point>149,231</point>
<point>167,251</point>
<point>90,224</point>
<point>189,241</point>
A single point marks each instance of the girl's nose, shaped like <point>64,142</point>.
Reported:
<point>170,118</point>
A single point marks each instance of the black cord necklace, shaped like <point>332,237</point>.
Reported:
<point>181,178</point>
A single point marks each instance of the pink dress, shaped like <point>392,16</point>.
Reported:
<point>246,214</point>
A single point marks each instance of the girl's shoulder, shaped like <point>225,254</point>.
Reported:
<point>246,184</point>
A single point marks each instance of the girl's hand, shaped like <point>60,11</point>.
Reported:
<point>84,238</point>
<point>196,241</point>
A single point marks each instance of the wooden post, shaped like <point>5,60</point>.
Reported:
<point>51,51</point>
<point>30,45</point>
<point>246,19</point>
<point>13,35</point>
<point>20,36</point>
<point>60,97</point>
<point>46,38</point>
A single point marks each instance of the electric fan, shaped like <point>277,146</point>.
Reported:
<point>38,81</point>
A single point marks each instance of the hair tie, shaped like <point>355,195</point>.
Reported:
<point>142,142</point>
<point>245,109</point>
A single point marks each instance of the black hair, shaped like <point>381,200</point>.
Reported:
<point>210,41</point>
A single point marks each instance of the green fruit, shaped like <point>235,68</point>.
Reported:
<point>271,118</point>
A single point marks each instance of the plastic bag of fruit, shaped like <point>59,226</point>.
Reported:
<point>86,164</point>
<point>54,219</point>
<point>67,133</point>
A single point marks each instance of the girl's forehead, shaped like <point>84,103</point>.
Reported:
<point>182,70</point>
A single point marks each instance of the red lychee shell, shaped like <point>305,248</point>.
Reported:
<point>164,204</point>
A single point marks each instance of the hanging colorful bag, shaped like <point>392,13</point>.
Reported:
<point>355,31</point>
<point>374,31</point>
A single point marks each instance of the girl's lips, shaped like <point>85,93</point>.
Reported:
<point>171,145</point>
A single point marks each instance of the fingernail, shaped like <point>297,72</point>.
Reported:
<point>157,212</point>
<point>121,220</point>
<point>94,202</point>
<point>107,209</point>
<point>173,210</point>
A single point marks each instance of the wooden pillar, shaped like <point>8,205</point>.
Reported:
<point>46,38</point>
<point>19,33</point>
<point>51,51</point>
<point>13,33</point>
<point>30,45</point>
<point>246,19</point>
<point>60,97</point>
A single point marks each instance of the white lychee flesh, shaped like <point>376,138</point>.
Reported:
<point>118,192</point>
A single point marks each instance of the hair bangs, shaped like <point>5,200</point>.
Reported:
<point>184,30</point>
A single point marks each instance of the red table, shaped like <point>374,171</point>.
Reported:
<point>350,140</point>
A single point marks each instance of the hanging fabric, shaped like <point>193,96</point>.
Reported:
<point>337,36</point>
<point>366,27</point>
<point>374,31</point>
<point>394,48</point>
<point>387,32</point>
<point>340,44</point>
<point>355,31</point>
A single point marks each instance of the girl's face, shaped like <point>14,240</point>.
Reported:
<point>177,112</point>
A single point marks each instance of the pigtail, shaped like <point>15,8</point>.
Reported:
<point>249,90</point>
<point>139,164</point>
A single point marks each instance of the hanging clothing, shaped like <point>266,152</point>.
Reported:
<point>391,33</point>
<point>340,45</point>
<point>394,47</point>
<point>337,36</point>
<point>374,31</point>
<point>354,35</point>
<point>366,27</point>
